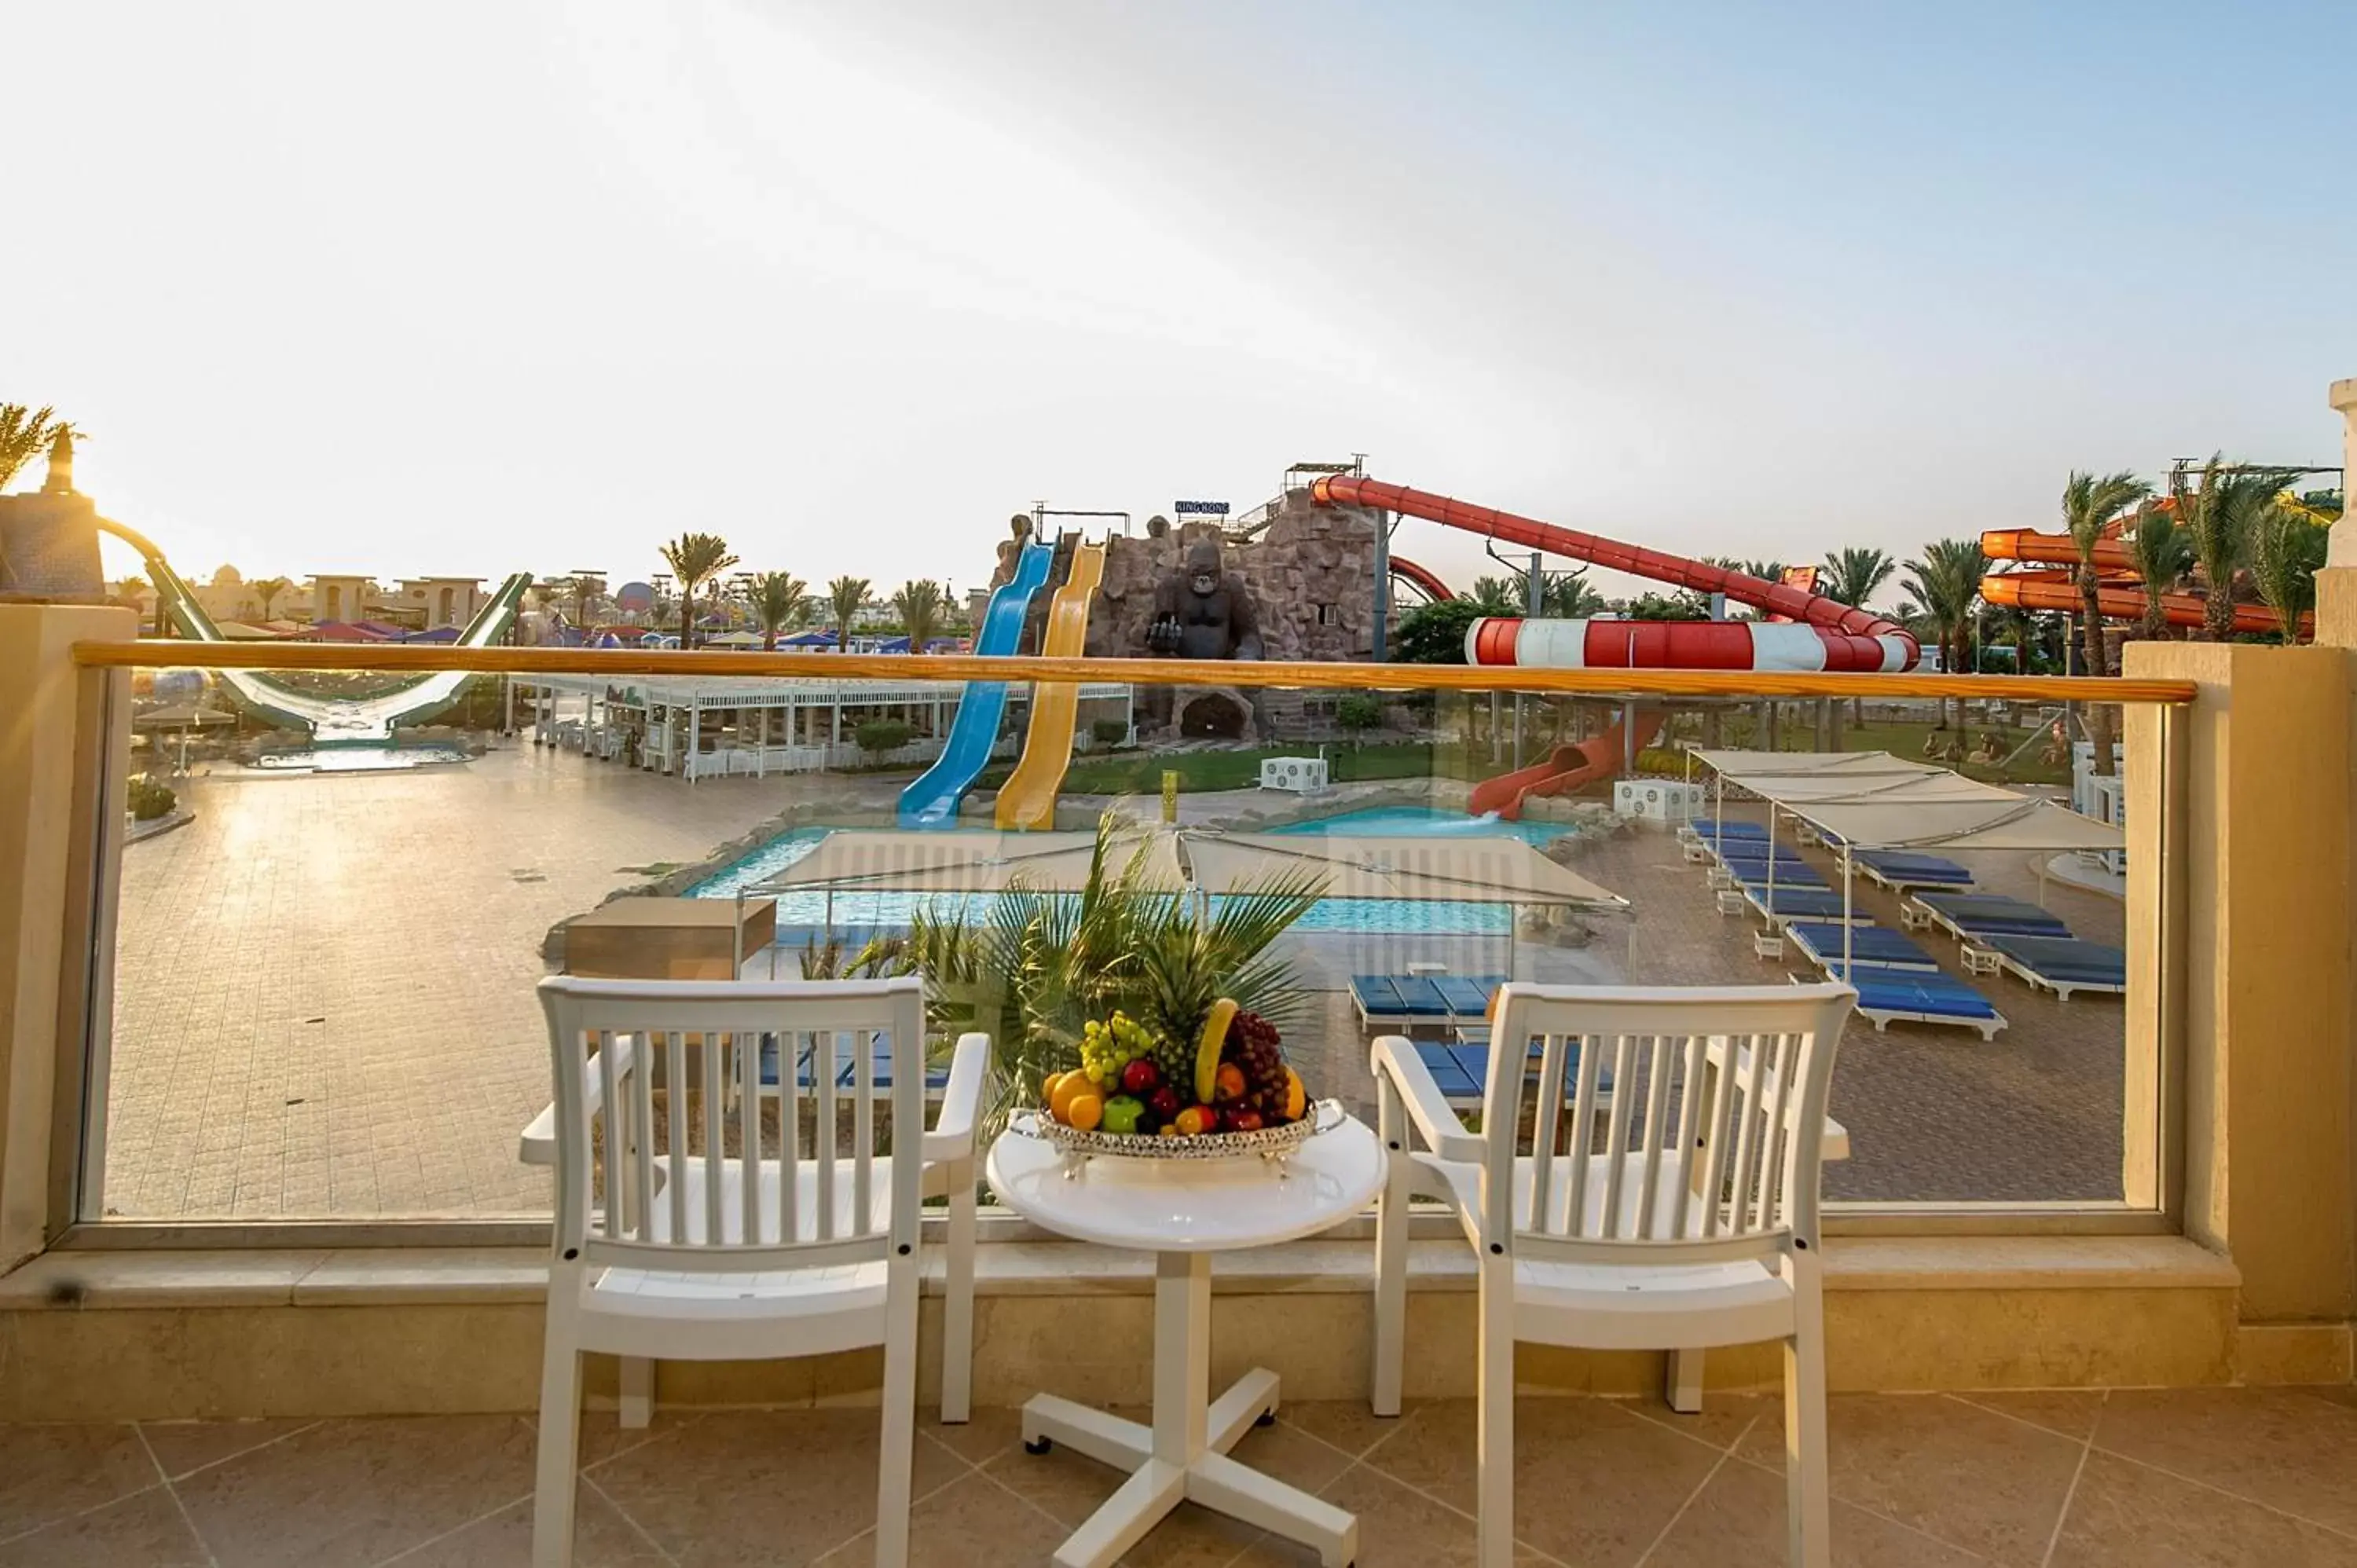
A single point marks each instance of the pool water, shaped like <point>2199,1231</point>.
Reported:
<point>1426,821</point>
<point>809,907</point>
<point>1438,918</point>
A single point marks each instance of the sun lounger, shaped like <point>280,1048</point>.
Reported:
<point>1754,852</point>
<point>1971,917</point>
<point>1713,827</point>
<point>1870,946</point>
<point>1754,874</point>
<point>1462,1069</point>
<point>2063,964</point>
<point>1399,999</point>
<point>937,1077</point>
<point>1785,903</point>
<point>1899,869</point>
<point>1468,995</point>
<point>1888,996</point>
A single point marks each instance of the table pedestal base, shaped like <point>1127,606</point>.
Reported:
<point>1183,1456</point>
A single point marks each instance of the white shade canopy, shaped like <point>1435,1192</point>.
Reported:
<point>1479,868</point>
<point>892,861</point>
<point>1475,867</point>
<point>1881,801</point>
<point>1787,764</point>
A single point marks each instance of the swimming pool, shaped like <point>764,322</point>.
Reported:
<point>809,907</point>
<point>1441,918</point>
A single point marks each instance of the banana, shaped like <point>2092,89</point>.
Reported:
<point>1206,1054</point>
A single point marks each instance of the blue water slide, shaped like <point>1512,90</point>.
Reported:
<point>933,801</point>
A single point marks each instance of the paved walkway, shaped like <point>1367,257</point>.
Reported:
<point>324,984</point>
<point>2215,1477</point>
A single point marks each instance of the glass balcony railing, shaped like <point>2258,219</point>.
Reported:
<point>324,955</point>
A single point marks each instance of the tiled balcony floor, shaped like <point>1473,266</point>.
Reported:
<point>2142,1480</point>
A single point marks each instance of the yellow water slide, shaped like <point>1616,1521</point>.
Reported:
<point>1029,799</point>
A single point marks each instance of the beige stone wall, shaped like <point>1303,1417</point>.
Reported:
<point>2266,975</point>
<point>48,799</point>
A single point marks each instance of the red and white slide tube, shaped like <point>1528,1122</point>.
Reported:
<point>1789,646</point>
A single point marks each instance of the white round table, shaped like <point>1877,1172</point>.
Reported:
<point>1183,1211</point>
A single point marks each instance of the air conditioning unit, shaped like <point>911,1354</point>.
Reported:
<point>1303,775</point>
<point>1657,801</point>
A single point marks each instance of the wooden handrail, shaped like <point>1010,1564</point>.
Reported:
<point>619,664</point>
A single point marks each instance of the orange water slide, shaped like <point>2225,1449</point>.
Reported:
<point>2120,595</point>
<point>1566,769</point>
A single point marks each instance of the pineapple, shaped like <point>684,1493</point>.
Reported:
<point>1176,975</point>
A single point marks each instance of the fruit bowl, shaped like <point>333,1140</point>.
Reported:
<point>1268,1143</point>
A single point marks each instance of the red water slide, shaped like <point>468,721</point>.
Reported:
<point>1854,639</point>
<point>1566,769</point>
<point>1424,577</point>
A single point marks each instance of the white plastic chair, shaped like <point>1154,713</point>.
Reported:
<point>787,1251</point>
<point>1682,1214</point>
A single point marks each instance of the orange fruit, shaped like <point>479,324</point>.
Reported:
<point>1085,1110</point>
<point>1069,1086</point>
<point>1194,1121</point>
<point>1296,1098</point>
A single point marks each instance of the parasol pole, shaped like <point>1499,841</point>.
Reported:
<point>1849,893</point>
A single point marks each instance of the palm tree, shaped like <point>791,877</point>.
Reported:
<point>921,604</point>
<point>2219,514</point>
<point>1501,596</point>
<point>267,589</point>
<point>2090,506</point>
<point>844,596</point>
<point>777,598</point>
<point>1853,575</point>
<point>2285,551</point>
<point>1569,594</point>
<point>1945,585</point>
<point>2162,554</point>
<point>25,435</point>
<point>694,559</point>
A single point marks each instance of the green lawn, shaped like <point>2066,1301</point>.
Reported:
<point>1140,772</point>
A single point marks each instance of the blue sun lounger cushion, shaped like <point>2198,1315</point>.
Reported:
<point>1875,947</point>
<point>1462,1069</point>
<point>1787,903</point>
<point>1902,869</point>
<point>1990,914</point>
<point>2063,964</point>
<point>1886,996</point>
<point>880,1067</point>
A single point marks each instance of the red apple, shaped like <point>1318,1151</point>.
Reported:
<point>1243,1120</point>
<point>1166,1103</point>
<point>1140,1077</point>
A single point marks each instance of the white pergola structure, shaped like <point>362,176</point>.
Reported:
<point>1872,799</point>
<point>671,714</point>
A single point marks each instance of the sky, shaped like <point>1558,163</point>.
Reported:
<point>467,288</point>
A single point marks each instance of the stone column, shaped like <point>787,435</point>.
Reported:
<point>2336,586</point>
<point>2251,937</point>
<point>62,801</point>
